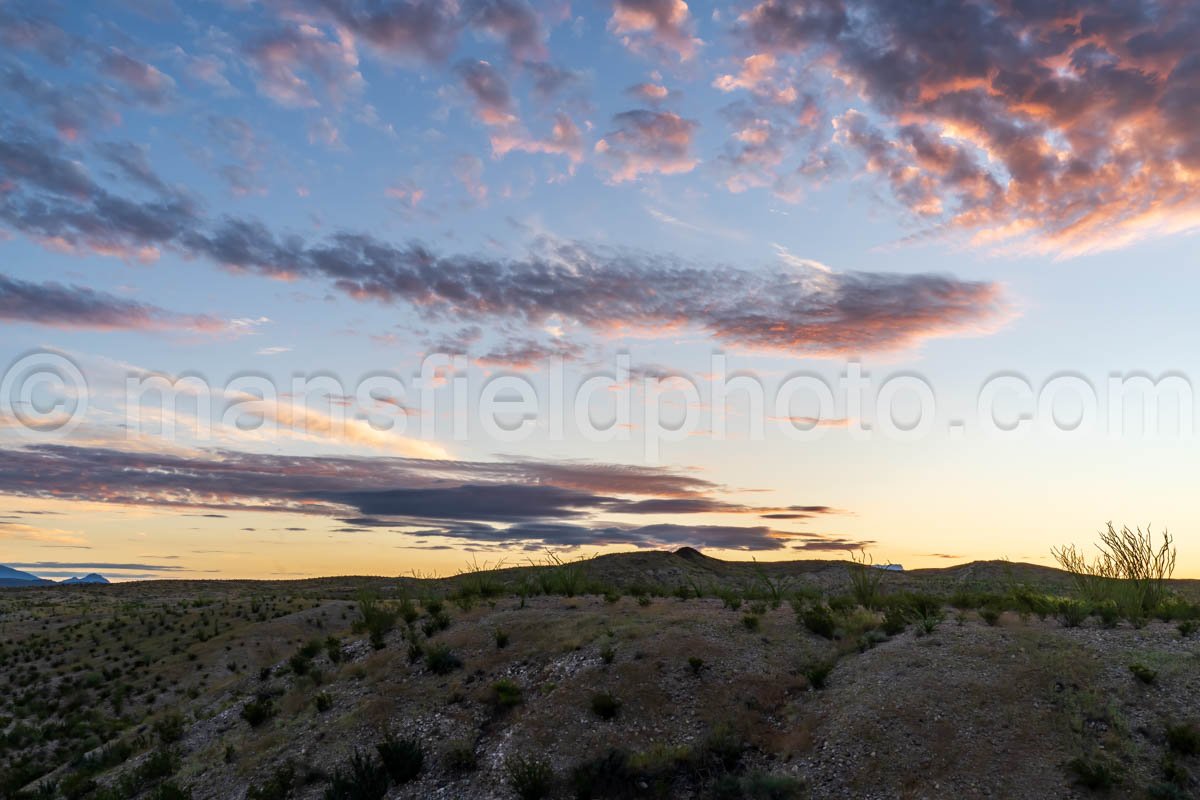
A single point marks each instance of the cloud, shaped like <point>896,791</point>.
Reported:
<point>489,91</point>
<point>22,30</point>
<point>38,566</point>
<point>604,290</point>
<point>48,536</point>
<point>651,93</point>
<point>513,21</point>
<point>547,502</point>
<point>526,354</point>
<point>550,80</point>
<point>661,24</point>
<point>148,84</point>
<point>426,30</point>
<point>72,110</point>
<point>468,169</point>
<point>647,142</point>
<point>1064,128</point>
<point>284,58</point>
<point>59,306</point>
<point>565,139</point>
<point>133,162</point>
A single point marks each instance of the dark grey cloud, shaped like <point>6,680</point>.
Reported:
<point>423,29</point>
<point>97,565</point>
<point>57,305</point>
<point>511,502</point>
<point>521,353</point>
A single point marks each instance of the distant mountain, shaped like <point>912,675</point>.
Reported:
<point>15,577</point>
<point>91,577</point>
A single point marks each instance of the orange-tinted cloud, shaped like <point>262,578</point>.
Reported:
<point>1064,127</point>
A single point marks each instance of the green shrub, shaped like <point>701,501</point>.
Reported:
<point>363,777</point>
<point>169,729</point>
<point>1130,570</point>
<point>990,615</point>
<point>695,664</point>
<point>505,694</point>
<point>1072,613</point>
<point>1096,773</point>
<point>402,758</point>
<point>1143,673</point>
<point>530,778</point>
<point>501,639</point>
<point>376,619</point>
<point>280,786</point>
<point>258,710</point>
<point>440,660</point>
<point>895,621</point>
<point>757,786</point>
<point>817,673</point>
<point>460,758</point>
<point>865,579</point>
<point>750,622</point>
<point>1183,739</point>
<point>818,620</point>
<point>324,702</point>
<point>605,705</point>
<point>608,653</point>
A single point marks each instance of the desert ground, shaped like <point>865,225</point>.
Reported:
<point>645,675</point>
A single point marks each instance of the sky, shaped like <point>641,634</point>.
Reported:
<point>325,287</point>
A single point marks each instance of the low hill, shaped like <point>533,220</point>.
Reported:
<point>643,675</point>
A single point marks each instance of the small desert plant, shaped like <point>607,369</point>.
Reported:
<point>608,653</point>
<point>376,619</point>
<point>1183,739</point>
<point>258,711</point>
<point>895,621</point>
<point>990,615</point>
<point>363,777</point>
<point>440,660</point>
<point>402,758</point>
<point>501,637</point>
<point>750,622</point>
<point>865,579</point>
<point>530,778</point>
<point>644,600</point>
<point>1130,569</point>
<point>280,786</point>
<point>1097,773</point>
<point>817,673</point>
<point>1072,613</point>
<point>1187,627</point>
<point>757,786</point>
<point>460,758</point>
<point>818,620</point>
<point>324,702</point>
<point>505,694</point>
<point>605,706</point>
<point>696,664</point>
<point>1143,673</point>
<point>169,729</point>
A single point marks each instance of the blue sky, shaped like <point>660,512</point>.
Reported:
<point>340,188</point>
